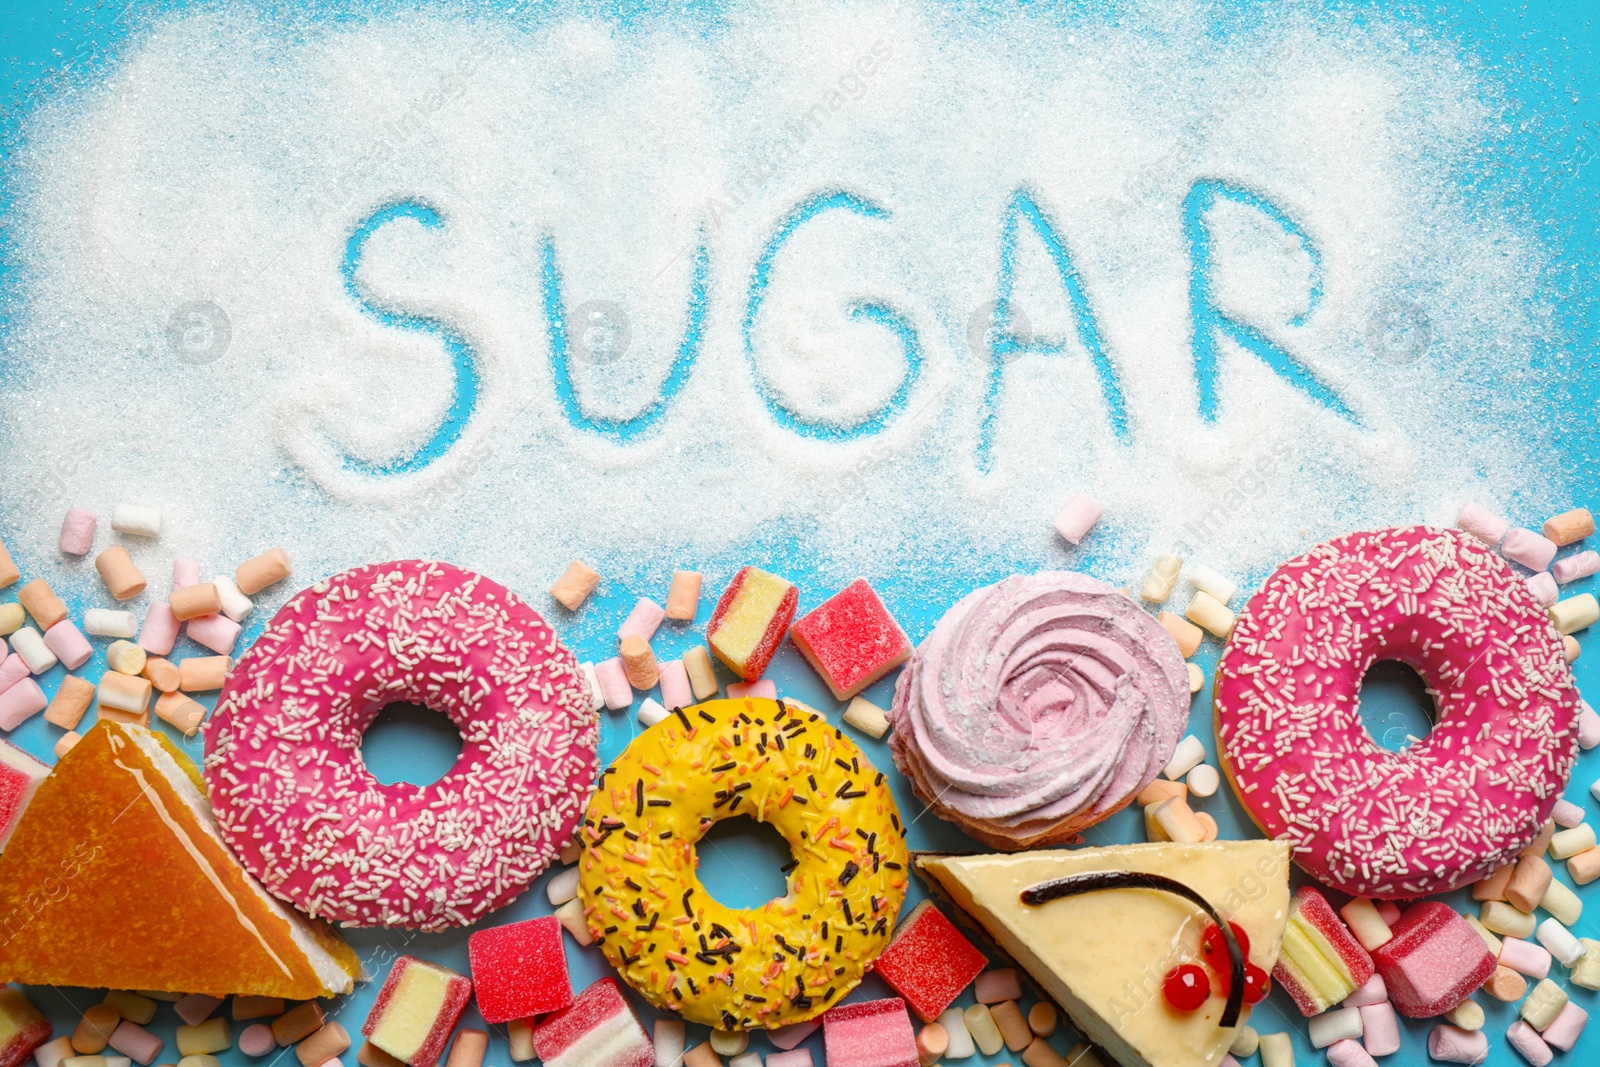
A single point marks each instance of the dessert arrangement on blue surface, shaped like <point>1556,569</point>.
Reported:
<point>1036,709</point>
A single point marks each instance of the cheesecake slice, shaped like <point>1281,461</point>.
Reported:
<point>1102,955</point>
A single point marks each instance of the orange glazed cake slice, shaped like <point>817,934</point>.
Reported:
<point>1102,954</point>
<point>115,877</point>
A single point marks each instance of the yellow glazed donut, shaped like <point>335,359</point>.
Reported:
<point>790,959</point>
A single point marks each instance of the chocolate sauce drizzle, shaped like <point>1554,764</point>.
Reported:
<point>1072,886</point>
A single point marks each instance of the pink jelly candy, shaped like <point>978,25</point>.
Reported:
<point>1434,961</point>
<point>851,639</point>
<point>412,1021</point>
<point>520,970</point>
<point>20,775</point>
<point>875,1033</point>
<point>598,1030</point>
<point>929,962</point>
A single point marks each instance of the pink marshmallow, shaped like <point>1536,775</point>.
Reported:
<point>675,689</point>
<point>21,702</point>
<point>763,689</point>
<point>614,687</point>
<point>13,670</point>
<point>1380,1029</point>
<point>1348,1053</point>
<point>787,1037</point>
<point>1373,991</point>
<point>1451,1044</point>
<point>1533,551</point>
<point>257,1040</point>
<point>160,630</point>
<point>1544,589</point>
<point>800,1057</point>
<point>1483,524</point>
<point>1077,516</point>
<point>1563,1033</point>
<point>1228,1060</point>
<point>135,1042</point>
<point>1579,565</point>
<point>1567,814</point>
<point>216,632</point>
<point>185,572</point>
<point>992,987</point>
<point>1389,910</point>
<point>1524,957</point>
<point>1526,1040</point>
<point>644,620</point>
<point>196,1008</point>
<point>1588,726</point>
<point>77,532</point>
<point>69,644</point>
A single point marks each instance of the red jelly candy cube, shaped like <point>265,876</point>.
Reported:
<point>851,639</point>
<point>520,970</point>
<point>876,1033</point>
<point>599,1027</point>
<point>929,962</point>
<point>20,775</point>
<point>1434,961</point>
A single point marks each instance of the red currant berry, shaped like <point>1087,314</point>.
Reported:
<point>1186,987</point>
<point>1214,947</point>
<point>1257,984</point>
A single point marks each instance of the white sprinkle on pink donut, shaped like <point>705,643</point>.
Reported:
<point>1452,807</point>
<point>306,817</point>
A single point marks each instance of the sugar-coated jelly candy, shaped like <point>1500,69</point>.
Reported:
<point>600,1029</point>
<point>851,639</point>
<point>875,1033</point>
<point>929,962</point>
<point>20,775</point>
<point>1433,961</point>
<point>1321,962</point>
<point>416,1010</point>
<point>751,618</point>
<point>520,970</point>
<point>22,1028</point>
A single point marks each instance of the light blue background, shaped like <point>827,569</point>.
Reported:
<point>1548,53</point>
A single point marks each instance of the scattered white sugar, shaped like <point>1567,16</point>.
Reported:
<point>226,156</point>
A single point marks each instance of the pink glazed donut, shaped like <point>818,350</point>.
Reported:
<point>305,816</point>
<point>1451,808</point>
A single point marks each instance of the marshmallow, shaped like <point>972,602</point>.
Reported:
<point>1526,1040</point>
<point>574,587</point>
<point>1163,576</point>
<point>235,605</point>
<point>70,646</point>
<point>1483,524</point>
<point>1543,1004</point>
<point>136,520</point>
<point>1532,550</point>
<point>1077,516</point>
<point>1468,1015</point>
<point>1190,753</point>
<point>185,573</point>
<point>651,712</point>
<point>702,676</point>
<point>639,662</point>
<point>1588,726</point>
<point>1569,527</point>
<point>683,597</point>
<point>255,574</point>
<point>1567,814</point>
<point>1562,903</point>
<point>8,569</point>
<point>203,674</point>
<point>762,689</point>
<point>194,600</point>
<point>614,684</point>
<point>216,632</point>
<point>42,603</point>
<point>70,703</point>
<point>644,620</point>
<point>1585,867</point>
<point>675,690</point>
<point>1559,942</point>
<point>1348,1053</point>
<point>122,579</point>
<point>867,717</point>
<point>1186,633</point>
<point>20,702</point>
<point>1578,565</point>
<point>1210,614</point>
<point>160,630</point>
<point>28,644</point>
<point>1543,588</point>
<point>119,692</point>
<point>104,622</point>
<point>1449,1044</point>
<point>1575,613</point>
<point>77,532</point>
<point>1564,1031</point>
<point>1364,921</point>
<point>1380,1029</point>
<point>1373,991</point>
<point>1525,957</point>
<point>1570,842</point>
<point>1209,581</point>
<point>1204,780</point>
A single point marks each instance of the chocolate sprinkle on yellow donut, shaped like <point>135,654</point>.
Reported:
<point>795,956</point>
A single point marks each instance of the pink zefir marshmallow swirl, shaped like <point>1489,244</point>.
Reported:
<point>1452,807</point>
<point>1037,707</point>
<point>296,802</point>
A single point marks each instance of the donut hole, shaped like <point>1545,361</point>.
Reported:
<point>1395,705</point>
<point>741,862</point>
<point>410,743</point>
